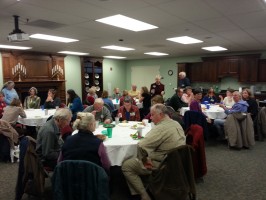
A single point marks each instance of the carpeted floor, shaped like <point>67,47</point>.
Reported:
<point>232,175</point>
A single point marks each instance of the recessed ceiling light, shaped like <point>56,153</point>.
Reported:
<point>114,57</point>
<point>119,48</point>
<point>52,38</point>
<point>128,23</point>
<point>214,48</point>
<point>74,53</point>
<point>156,54</point>
<point>184,40</point>
<point>14,47</point>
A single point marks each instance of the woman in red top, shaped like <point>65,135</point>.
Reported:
<point>2,103</point>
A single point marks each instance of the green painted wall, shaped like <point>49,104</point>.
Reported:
<point>114,74</point>
<point>165,64</point>
<point>73,74</point>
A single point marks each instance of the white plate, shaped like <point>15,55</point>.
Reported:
<point>123,124</point>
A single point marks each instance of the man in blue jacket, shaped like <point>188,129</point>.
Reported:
<point>238,107</point>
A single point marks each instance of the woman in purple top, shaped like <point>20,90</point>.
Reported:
<point>85,145</point>
<point>195,104</point>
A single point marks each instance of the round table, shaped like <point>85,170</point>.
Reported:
<point>121,146</point>
<point>36,117</point>
<point>214,112</point>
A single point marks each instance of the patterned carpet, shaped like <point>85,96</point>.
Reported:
<point>232,175</point>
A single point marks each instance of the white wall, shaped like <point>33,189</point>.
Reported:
<point>73,74</point>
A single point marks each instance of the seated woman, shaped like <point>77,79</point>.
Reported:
<point>84,145</point>
<point>253,106</point>
<point>107,101</point>
<point>125,93</point>
<point>52,101</point>
<point>2,103</point>
<point>32,101</point>
<point>156,99</point>
<point>12,112</point>
<point>74,103</point>
<point>228,101</point>
<point>210,97</point>
<point>145,98</point>
<point>128,111</point>
<point>117,94</point>
<point>187,96</point>
<point>90,97</point>
<point>195,104</point>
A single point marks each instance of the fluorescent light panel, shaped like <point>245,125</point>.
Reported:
<point>184,40</point>
<point>14,47</point>
<point>156,54</point>
<point>74,53</point>
<point>114,57</point>
<point>214,48</point>
<point>128,23</point>
<point>118,48</point>
<point>52,38</point>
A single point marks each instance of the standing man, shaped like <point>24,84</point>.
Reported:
<point>176,100</point>
<point>183,81</point>
<point>165,136</point>
<point>157,88</point>
<point>48,144</point>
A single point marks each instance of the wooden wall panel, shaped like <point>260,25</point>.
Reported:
<point>38,73</point>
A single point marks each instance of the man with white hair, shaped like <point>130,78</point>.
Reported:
<point>183,81</point>
<point>165,136</point>
<point>48,144</point>
<point>157,88</point>
<point>100,112</point>
<point>238,107</point>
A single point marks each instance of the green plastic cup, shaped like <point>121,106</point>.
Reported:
<point>110,132</point>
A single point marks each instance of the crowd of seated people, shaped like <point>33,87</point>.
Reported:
<point>76,147</point>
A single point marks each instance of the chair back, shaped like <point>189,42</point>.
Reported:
<point>195,117</point>
<point>175,178</point>
<point>261,124</point>
<point>195,138</point>
<point>31,173</point>
<point>79,180</point>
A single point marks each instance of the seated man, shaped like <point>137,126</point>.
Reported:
<point>128,111</point>
<point>48,144</point>
<point>165,136</point>
<point>134,93</point>
<point>100,112</point>
<point>176,102</point>
<point>239,106</point>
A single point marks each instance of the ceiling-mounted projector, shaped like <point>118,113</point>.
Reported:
<point>17,35</point>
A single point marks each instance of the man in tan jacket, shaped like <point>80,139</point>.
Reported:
<point>165,136</point>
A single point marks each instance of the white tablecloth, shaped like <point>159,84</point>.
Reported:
<point>121,146</point>
<point>35,117</point>
<point>215,112</point>
<point>116,103</point>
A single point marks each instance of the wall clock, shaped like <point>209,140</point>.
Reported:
<point>170,72</point>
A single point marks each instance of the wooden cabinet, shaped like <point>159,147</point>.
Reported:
<point>195,72</point>
<point>248,68</point>
<point>200,71</point>
<point>209,71</point>
<point>92,75</point>
<point>262,71</point>
<point>228,66</point>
